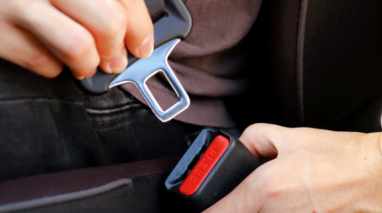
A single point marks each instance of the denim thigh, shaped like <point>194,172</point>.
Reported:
<point>49,125</point>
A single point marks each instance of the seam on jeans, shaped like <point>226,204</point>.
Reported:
<point>300,60</point>
<point>54,127</point>
<point>62,198</point>
<point>107,111</point>
<point>116,126</point>
<point>98,139</point>
<point>48,102</point>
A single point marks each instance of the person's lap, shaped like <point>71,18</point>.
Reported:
<point>49,125</point>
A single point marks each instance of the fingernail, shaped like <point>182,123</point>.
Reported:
<point>80,78</point>
<point>146,48</point>
<point>119,63</point>
<point>106,67</point>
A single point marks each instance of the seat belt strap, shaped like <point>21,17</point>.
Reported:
<point>156,9</point>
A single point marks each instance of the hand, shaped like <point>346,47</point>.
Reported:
<point>42,35</point>
<point>313,171</point>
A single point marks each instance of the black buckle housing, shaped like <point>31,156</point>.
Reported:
<point>236,164</point>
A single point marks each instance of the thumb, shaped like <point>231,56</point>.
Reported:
<point>267,140</point>
<point>263,140</point>
<point>245,198</point>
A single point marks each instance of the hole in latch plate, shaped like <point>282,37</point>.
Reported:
<point>165,97</point>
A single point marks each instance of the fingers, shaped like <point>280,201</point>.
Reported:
<point>268,140</point>
<point>86,34</point>
<point>71,43</point>
<point>19,47</point>
<point>107,22</point>
<point>124,20</point>
<point>244,199</point>
<point>139,37</point>
<point>262,139</point>
<point>120,60</point>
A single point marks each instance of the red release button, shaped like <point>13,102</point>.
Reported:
<point>204,166</point>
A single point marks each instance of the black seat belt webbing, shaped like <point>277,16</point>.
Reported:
<point>156,9</point>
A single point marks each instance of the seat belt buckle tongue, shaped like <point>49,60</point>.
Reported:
<point>168,31</point>
<point>213,166</point>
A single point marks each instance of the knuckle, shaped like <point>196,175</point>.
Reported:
<point>78,47</point>
<point>112,25</point>
<point>37,61</point>
<point>145,29</point>
<point>256,127</point>
<point>80,54</point>
<point>264,128</point>
<point>43,65</point>
<point>24,15</point>
<point>88,72</point>
<point>52,73</point>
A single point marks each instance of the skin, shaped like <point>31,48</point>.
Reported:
<point>312,171</point>
<point>43,35</point>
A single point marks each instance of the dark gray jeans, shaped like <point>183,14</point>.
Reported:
<point>49,125</point>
